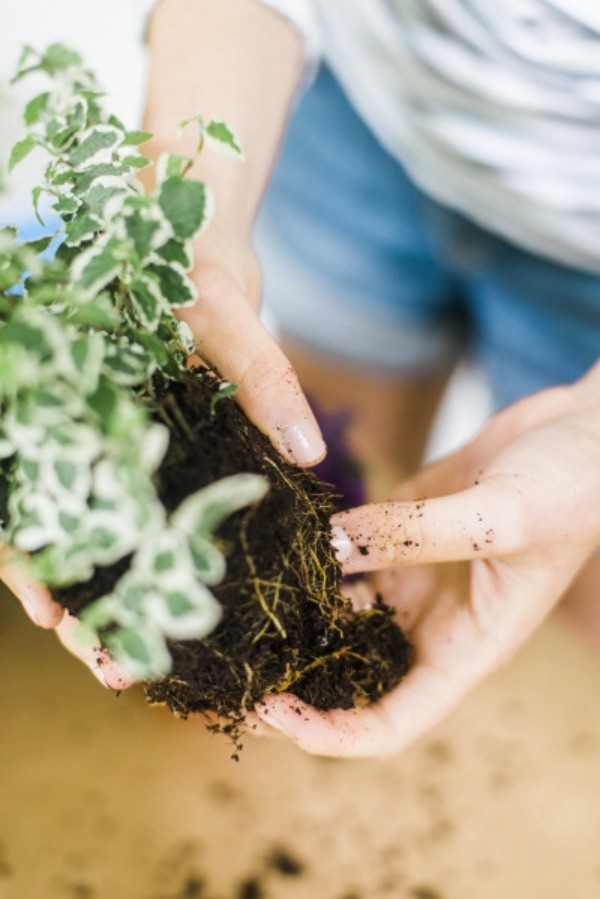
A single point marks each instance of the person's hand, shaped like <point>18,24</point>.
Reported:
<point>473,553</point>
<point>230,336</point>
<point>45,612</point>
<point>248,77</point>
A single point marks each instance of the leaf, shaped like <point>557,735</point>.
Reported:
<point>66,205</point>
<point>135,138</point>
<point>86,355</point>
<point>186,337</point>
<point>98,312</point>
<point>146,302</point>
<point>205,510</point>
<point>36,193</point>
<point>20,150</point>
<point>141,229</point>
<point>136,162</point>
<point>128,365</point>
<point>185,204</point>
<point>185,614</point>
<point>209,562</point>
<point>224,390</point>
<point>57,58</point>
<point>220,137</point>
<point>35,108</point>
<point>176,288</point>
<point>41,244</point>
<point>104,403</point>
<point>175,251</point>
<point>171,165</point>
<point>98,265</point>
<point>85,179</point>
<point>142,653</point>
<point>165,561</point>
<point>99,195</point>
<point>100,138</point>
<point>82,228</point>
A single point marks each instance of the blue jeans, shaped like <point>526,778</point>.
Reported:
<point>361,265</point>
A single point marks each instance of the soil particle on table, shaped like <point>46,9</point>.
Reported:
<point>282,861</point>
<point>425,892</point>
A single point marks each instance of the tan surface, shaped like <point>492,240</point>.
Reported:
<point>103,798</point>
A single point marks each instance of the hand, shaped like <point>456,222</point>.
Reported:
<point>231,337</point>
<point>472,571</point>
<point>247,76</point>
<point>47,613</point>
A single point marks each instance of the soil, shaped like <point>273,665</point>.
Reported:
<point>286,626</point>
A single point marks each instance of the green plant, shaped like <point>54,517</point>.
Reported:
<point>82,339</point>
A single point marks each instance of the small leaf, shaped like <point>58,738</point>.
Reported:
<point>142,230</point>
<point>220,137</point>
<point>86,355</point>
<point>20,150</point>
<point>82,228</point>
<point>175,251</point>
<point>99,195</point>
<point>209,562</point>
<point>205,510</point>
<point>225,389</point>
<point>185,204</point>
<point>36,193</point>
<point>146,302</point>
<point>35,108</point>
<point>41,244</point>
<point>128,365</point>
<point>142,653</point>
<point>101,138</point>
<point>98,265</point>
<point>66,205</point>
<point>175,286</point>
<point>185,614</point>
<point>84,180</point>
<point>136,162</point>
<point>171,165</point>
<point>135,138</point>
<point>186,337</point>
<point>57,58</point>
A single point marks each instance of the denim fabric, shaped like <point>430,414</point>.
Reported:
<point>360,264</point>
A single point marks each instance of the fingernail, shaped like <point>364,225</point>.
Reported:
<point>304,443</point>
<point>342,545</point>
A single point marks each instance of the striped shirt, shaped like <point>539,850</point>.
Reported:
<point>493,108</point>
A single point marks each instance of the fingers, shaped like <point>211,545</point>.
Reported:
<point>424,698</point>
<point>34,597</point>
<point>97,659</point>
<point>481,522</point>
<point>232,338</point>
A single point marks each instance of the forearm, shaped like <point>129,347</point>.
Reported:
<point>233,60</point>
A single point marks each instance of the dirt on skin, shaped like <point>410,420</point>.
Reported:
<point>286,627</point>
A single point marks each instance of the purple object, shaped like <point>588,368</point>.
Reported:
<point>339,470</point>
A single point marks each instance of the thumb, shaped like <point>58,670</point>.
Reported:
<point>480,522</point>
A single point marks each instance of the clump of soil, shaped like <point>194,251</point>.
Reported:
<point>286,626</point>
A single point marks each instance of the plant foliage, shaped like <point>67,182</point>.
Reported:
<point>81,336</point>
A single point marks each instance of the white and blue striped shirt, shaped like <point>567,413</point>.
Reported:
<point>494,108</point>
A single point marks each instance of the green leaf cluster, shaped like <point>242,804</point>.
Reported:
<point>81,337</point>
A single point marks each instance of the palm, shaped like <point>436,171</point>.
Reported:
<point>511,521</point>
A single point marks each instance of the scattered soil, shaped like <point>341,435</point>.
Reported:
<point>286,626</point>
